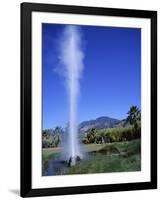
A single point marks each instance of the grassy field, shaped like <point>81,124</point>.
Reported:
<point>112,157</point>
<point>51,153</point>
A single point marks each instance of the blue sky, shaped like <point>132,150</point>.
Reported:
<point>111,80</point>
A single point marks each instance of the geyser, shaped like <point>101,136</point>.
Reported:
<point>71,58</point>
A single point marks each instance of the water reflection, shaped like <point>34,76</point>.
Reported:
<point>53,167</point>
<point>56,166</point>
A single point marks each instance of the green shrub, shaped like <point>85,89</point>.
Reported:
<point>108,135</point>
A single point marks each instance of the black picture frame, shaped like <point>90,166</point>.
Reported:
<point>26,106</point>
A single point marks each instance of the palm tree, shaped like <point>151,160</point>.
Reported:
<point>134,115</point>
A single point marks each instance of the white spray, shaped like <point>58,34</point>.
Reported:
<point>71,56</point>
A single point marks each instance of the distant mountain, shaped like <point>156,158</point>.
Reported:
<point>122,123</point>
<point>99,123</point>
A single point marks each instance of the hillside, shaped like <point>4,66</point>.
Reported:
<point>99,123</point>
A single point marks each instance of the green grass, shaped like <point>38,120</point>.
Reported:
<point>111,157</point>
<point>127,148</point>
<point>50,153</point>
<point>114,157</point>
<point>93,147</point>
<point>102,164</point>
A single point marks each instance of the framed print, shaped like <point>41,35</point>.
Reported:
<point>88,99</point>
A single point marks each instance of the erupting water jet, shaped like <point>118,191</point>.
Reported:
<point>71,56</point>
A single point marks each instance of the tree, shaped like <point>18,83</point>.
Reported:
<point>58,130</point>
<point>134,115</point>
<point>51,137</point>
<point>91,135</point>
